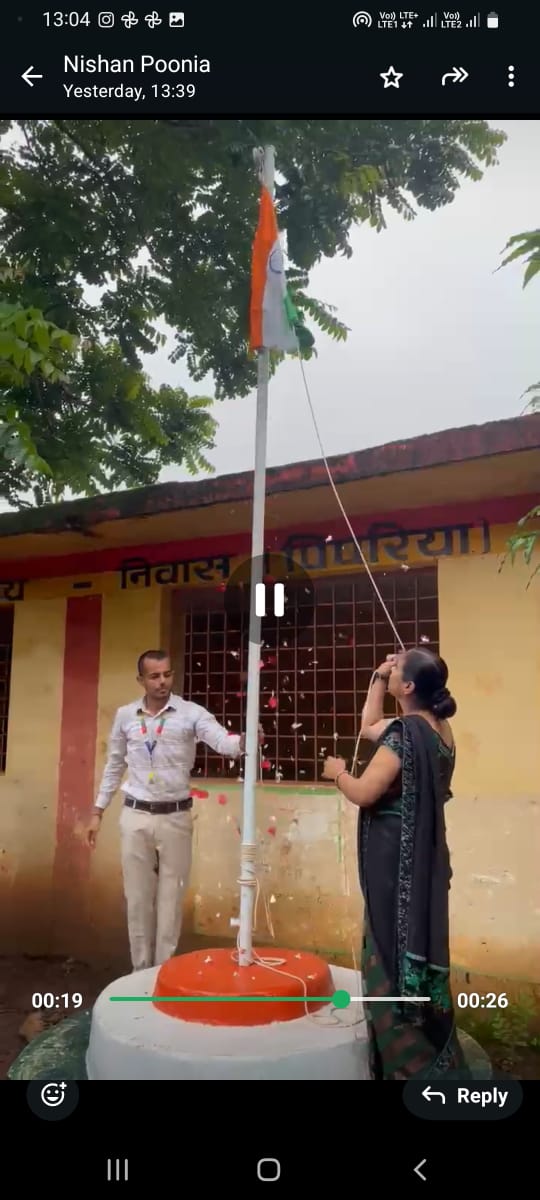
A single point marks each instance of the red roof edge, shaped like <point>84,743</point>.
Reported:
<point>464,444</point>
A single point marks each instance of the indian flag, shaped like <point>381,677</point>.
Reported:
<point>273,316</point>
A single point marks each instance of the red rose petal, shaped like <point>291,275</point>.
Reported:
<point>222,799</point>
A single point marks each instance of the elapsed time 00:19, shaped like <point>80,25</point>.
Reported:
<point>49,1000</point>
<point>173,91</point>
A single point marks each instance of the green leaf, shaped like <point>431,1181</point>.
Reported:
<point>532,269</point>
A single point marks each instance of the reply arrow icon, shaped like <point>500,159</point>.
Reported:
<point>457,75</point>
<point>28,77</point>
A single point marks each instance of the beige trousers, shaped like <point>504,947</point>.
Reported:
<point>154,900</point>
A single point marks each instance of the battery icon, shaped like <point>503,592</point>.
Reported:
<point>493,20</point>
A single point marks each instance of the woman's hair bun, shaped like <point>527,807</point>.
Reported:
<point>443,704</point>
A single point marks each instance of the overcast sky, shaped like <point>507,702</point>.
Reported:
<point>436,340</point>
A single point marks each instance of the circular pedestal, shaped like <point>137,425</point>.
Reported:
<point>204,987</point>
<point>133,1039</point>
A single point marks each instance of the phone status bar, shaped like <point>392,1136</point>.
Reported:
<point>410,19</point>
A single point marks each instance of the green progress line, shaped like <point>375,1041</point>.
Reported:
<point>222,999</point>
<point>340,999</point>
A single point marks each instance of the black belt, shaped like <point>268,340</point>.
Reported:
<point>155,807</point>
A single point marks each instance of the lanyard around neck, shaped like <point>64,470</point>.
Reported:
<point>151,745</point>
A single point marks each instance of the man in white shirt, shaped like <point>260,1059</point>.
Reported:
<point>156,739</point>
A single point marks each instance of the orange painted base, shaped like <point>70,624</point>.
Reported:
<point>213,975</point>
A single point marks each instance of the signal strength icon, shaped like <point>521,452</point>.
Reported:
<point>431,22</point>
<point>474,22</point>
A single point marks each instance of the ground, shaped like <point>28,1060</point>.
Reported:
<point>21,976</point>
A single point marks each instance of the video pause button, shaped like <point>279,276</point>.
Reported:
<point>117,1170</point>
<point>260,599</point>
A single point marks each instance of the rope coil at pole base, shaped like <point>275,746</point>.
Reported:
<point>248,885</point>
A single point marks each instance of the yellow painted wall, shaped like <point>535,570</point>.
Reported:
<point>131,623</point>
<point>29,788</point>
<point>490,636</point>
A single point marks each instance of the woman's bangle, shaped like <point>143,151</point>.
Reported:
<point>338,777</point>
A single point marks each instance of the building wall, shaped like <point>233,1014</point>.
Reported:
<point>490,633</point>
<point>76,655</point>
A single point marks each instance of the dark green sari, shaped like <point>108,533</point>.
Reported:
<point>405,878</point>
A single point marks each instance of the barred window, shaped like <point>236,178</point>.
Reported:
<point>6,646</point>
<point>313,682</point>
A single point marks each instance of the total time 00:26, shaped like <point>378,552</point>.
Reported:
<point>475,1000</point>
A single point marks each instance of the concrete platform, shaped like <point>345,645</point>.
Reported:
<point>134,1040</point>
<point>137,1041</point>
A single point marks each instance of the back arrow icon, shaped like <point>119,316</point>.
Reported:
<point>417,1170</point>
<point>28,77</point>
<point>457,75</point>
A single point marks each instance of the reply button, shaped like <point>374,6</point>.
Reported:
<point>448,1100</point>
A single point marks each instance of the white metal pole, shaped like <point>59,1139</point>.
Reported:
<point>249,822</point>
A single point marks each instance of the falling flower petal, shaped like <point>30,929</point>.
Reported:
<point>222,799</point>
<point>296,725</point>
<point>405,567</point>
<point>272,899</point>
<point>329,538</point>
<point>272,703</point>
<point>208,959</point>
<point>265,764</point>
<point>271,830</point>
<point>335,736</point>
<point>423,638</point>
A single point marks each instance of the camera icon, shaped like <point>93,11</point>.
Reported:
<point>268,1170</point>
<point>105,20</point>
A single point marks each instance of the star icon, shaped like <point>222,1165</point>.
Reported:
<point>391,77</point>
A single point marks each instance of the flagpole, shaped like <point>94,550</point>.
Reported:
<point>248,882</point>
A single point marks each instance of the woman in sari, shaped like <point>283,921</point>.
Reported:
<point>405,871</point>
